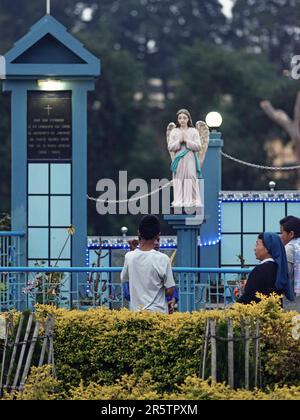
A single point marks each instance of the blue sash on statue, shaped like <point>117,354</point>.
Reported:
<point>175,162</point>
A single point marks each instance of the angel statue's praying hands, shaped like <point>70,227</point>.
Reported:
<point>187,146</point>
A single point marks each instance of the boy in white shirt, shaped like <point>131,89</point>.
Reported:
<point>147,271</point>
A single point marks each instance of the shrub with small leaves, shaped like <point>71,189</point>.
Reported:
<point>101,346</point>
<point>40,385</point>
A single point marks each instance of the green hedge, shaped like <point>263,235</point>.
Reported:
<point>41,386</point>
<point>101,346</point>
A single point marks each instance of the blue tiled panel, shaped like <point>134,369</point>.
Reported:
<point>253,217</point>
<point>38,243</point>
<point>38,263</point>
<point>38,178</point>
<point>231,217</point>
<point>66,286</point>
<point>58,239</point>
<point>274,213</point>
<point>38,211</point>
<point>249,242</point>
<point>60,263</point>
<point>293,209</point>
<point>60,178</point>
<point>231,276</point>
<point>60,211</point>
<point>93,258</point>
<point>105,262</point>
<point>66,279</point>
<point>230,249</point>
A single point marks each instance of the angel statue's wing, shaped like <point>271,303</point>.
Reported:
<point>203,130</point>
<point>170,127</point>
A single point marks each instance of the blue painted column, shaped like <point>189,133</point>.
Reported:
<point>19,164</point>
<point>187,256</point>
<point>211,229</point>
<point>18,183</point>
<point>79,181</point>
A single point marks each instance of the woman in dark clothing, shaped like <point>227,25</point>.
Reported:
<point>271,276</point>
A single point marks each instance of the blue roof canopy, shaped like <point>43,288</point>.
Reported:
<point>49,50</point>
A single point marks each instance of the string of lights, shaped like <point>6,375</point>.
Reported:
<point>266,168</point>
<point>260,196</point>
<point>131,199</point>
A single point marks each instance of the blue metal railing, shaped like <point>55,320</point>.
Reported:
<point>87,287</point>
<point>10,256</point>
<point>10,248</point>
<point>11,234</point>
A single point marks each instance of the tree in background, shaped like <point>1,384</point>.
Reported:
<point>17,17</point>
<point>154,30</point>
<point>114,117</point>
<point>234,83</point>
<point>268,26</point>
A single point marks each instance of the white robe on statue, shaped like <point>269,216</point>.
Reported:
<point>185,181</point>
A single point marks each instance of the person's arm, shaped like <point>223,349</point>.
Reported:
<point>133,244</point>
<point>172,301</point>
<point>252,286</point>
<point>291,271</point>
<point>170,291</point>
<point>175,294</point>
<point>169,280</point>
<point>126,291</point>
<point>125,280</point>
<point>289,249</point>
<point>193,141</point>
<point>125,273</point>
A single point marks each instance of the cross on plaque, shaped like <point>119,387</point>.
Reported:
<point>48,107</point>
<point>48,7</point>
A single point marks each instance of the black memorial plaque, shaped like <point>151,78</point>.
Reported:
<point>49,126</point>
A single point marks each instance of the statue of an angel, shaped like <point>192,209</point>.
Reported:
<point>187,146</point>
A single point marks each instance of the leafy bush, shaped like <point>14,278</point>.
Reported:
<point>101,346</point>
<point>41,386</point>
<point>196,389</point>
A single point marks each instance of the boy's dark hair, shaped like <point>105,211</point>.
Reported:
<point>149,227</point>
<point>291,223</point>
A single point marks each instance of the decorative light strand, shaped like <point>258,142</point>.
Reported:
<point>131,199</point>
<point>266,168</point>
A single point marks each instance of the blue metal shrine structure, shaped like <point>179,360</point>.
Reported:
<point>48,74</point>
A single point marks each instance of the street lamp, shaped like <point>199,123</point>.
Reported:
<point>214,120</point>
<point>272,185</point>
<point>124,231</point>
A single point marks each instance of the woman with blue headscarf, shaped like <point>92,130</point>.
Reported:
<point>271,275</point>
